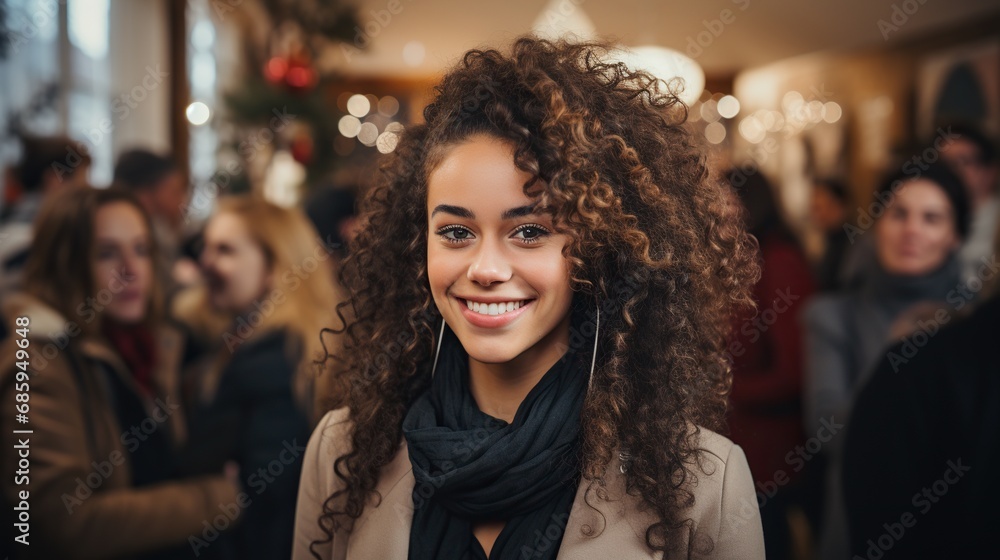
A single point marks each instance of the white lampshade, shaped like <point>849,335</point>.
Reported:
<point>666,64</point>
<point>561,19</point>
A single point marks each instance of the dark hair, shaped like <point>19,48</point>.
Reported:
<point>835,187</point>
<point>973,135</point>
<point>942,176</point>
<point>763,212</point>
<point>654,239</point>
<point>327,208</point>
<point>44,154</point>
<point>141,169</point>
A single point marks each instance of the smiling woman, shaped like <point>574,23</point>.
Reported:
<point>497,275</point>
<point>534,359</point>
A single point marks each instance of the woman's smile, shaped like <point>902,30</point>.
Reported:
<point>493,313</point>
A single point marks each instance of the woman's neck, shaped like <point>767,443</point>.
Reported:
<point>499,388</point>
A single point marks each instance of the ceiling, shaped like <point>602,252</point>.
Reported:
<point>751,33</point>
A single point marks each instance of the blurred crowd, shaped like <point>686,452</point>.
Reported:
<point>866,372</point>
<point>172,374</point>
<point>175,372</point>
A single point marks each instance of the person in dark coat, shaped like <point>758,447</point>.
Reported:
<point>923,451</point>
<point>266,266</point>
<point>916,240</point>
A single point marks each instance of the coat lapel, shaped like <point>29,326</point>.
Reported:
<point>609,529</point>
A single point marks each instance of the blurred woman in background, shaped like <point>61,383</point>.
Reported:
<point>948,394</point>
<point>104,410</point>
<point>767,354</point>
<point>265,266</point>
<point>828,211</point>
<point>924,220</point>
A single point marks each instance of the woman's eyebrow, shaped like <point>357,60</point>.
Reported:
<point>518,212</point>
<point>456,210</point>
<point>461,212</point>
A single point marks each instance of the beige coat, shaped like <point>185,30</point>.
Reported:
<point>81,503</point>
<point>725,509</point>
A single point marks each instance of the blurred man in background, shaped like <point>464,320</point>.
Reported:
<point>48,167</point>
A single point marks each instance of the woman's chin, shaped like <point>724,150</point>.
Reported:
<point>490,351</point>
<point>126,316</point>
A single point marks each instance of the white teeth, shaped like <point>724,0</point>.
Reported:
<point>493,308</point>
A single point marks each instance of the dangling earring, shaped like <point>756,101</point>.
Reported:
<point>438,351</point>
<point>593,357</point>
<point>623,456</point>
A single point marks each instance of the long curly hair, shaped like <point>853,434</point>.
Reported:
<point>655,239</point>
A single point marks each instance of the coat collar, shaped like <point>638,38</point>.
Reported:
<point>604,521</point>
<point>48,326</point>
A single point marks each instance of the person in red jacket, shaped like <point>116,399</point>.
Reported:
<point>766,350</point>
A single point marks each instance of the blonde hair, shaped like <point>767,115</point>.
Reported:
<point>303,293</point>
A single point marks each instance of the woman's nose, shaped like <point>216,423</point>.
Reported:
<point>130,265</point>
<point>489,265</point>
<point>205,259</point>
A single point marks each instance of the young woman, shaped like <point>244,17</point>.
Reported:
<point>98,368</point>
<point>533,362</point>
<point>268,270</point>
<point>916,268</point>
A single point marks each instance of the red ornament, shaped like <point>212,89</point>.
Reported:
<point>300,75</point>
<point>302,149</point>
<point>295,73</point>
<point>276,69</point>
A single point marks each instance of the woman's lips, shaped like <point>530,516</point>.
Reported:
<point>129,295</point>
<point>492,321</point>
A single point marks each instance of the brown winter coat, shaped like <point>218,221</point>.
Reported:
<point>81,503</point>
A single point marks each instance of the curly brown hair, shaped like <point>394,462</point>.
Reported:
<point>654,238</point>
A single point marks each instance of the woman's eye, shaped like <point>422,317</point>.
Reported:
<point>455,234</point>
<point>531,233</point>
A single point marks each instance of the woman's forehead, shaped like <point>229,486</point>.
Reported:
<point>478,173</point>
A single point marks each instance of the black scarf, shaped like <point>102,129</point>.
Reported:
<point>471,467</point>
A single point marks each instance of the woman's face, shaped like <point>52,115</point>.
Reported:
<point>496,269</point>
<point>234,263</point>
<point>917,232</point>
<point>123,266</point>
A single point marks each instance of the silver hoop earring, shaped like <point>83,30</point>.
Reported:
<point>438,351</point>
<point>593,357</point>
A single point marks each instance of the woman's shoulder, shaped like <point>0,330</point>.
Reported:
<point>330,436</point>
<point>43,321</point>
<point>262,363</point>
<point>725,501</point>
<point>252,346</point>
<point>829,311</point>
<point>329,440</point>
<point>319,481</point>
<point>720,462</point>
